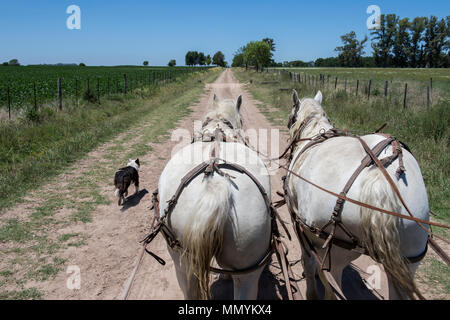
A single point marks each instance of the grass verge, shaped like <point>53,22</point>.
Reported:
<point>31,242</point>
<point>426,132</point>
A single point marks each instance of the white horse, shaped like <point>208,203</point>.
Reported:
<point>216,216</point>
<point>330,164</point>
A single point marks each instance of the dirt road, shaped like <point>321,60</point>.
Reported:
<point>111,249</point>
<point>154,281</point>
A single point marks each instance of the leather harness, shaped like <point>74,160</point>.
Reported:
<point>335,221</point>
<point>208,168</point>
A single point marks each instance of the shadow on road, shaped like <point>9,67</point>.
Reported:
<point>271,287</point>
<point>133,200</point>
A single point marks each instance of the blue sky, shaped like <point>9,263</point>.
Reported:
<point>128,32</point>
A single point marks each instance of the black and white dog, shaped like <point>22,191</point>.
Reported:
<point>124,177</point>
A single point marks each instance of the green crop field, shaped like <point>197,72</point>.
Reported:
<point>421,83</point>
<point>23,81</point>
<point>425,130</point>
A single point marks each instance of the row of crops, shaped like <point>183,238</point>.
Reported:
<point>37,85</point>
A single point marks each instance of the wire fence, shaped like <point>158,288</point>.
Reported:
<point>406,93</point>
<point>16,94</point>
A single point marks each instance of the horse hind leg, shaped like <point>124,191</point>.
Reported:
<point>188,285</point>
<point>397,293</point>
<point>246,285</point>
<point>309,269</point>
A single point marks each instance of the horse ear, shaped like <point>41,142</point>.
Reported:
<point>295,97</point>
<point>239,103</point>
<point>318,97</point>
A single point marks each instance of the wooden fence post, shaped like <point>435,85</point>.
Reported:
<point>404,97</point>
<point>357,87</point>
<point>368,91</point>
<point>59,94</point>
<point>386,88</point>
<point>76,92</point>
<point>345,85</point>
<point>98,90</point>
<point>34,94</point>
<point>9,103</point>
<point>335,84</point>
<point>431,84</point>
<point>428,97</point>
<point>124,83</point>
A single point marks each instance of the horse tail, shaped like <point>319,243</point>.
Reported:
<point>203,234</point>
<point>381,234</point>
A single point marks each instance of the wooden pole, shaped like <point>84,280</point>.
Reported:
<point>386,88</point>
<point>345,85</point>
<point>124,83</point>
<point>357,87</point>
<point>428,97</point>
<point>404,97</point>
<point>9,103</point>
<point>34,94</point>
<point>335,84</point>
<point>368,91</point>
<point>98,90</point>
<point>59,94</point>
<point>76,91</point>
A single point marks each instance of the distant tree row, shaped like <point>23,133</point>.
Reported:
<point>11,63</point>
<point>399,43</point>
<point>422,42</point>
<point>194,58</point>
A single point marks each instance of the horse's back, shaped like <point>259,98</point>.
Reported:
<point>333,162</point>
<point>247,231</point>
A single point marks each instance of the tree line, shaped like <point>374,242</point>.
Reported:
<point>194,58</point>
<point>399,42</point>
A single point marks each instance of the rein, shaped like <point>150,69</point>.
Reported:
<point>208,168</point>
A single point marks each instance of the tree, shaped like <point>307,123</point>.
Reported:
<point>385,36</point>
<point>238,59</point>
<point>352,50</point>
<point>208,60</point>
<point>258,54</point>
<point>172,63</point>
<point>5,64</point>
<point>271,43</point>
<point>14,63</point>
<point>201,59</point>
<point>416,28</point>
<point>145,63</point>
<point>191,58</point>
<point>219,59</point>
<point>82,65</point>
<point>402,44</point>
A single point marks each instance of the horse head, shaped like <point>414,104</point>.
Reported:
<point>225,115</point>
